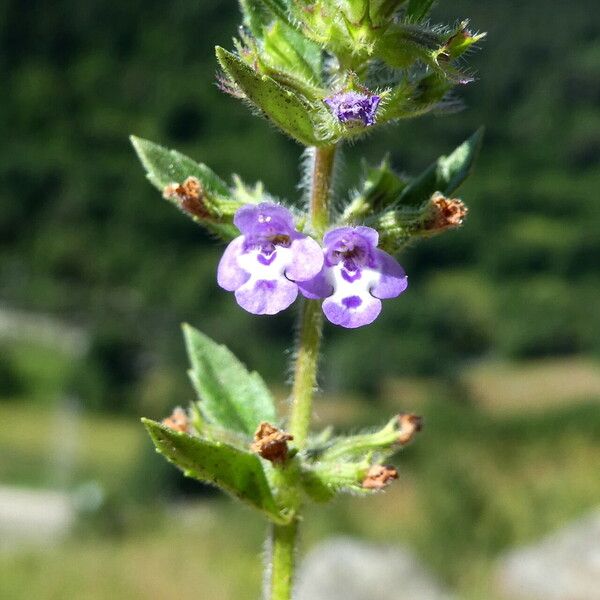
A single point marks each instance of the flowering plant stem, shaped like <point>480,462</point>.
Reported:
<point>283,537</point>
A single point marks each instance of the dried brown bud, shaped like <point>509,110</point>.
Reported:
<point>271,443</point>
<point>178,421</point>
<point>447,213</point>
<point>409,426</point>
<point>379,476</point>
<point>189,195</point>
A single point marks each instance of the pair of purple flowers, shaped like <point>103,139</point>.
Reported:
<point>271,261</point>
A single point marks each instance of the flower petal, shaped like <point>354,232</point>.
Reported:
<point>360,233</point>
<point>230,276</point>
<point>306,259</point>
<point>393,280</point>
<point>352,311</point>
<point>319,286</point>
<point>266,296</point>
<point>264,218</point>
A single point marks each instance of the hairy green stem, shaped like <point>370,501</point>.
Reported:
<point>321,179</point>
<point>283,547</point>
<point>283,537</point>
<point>305,371</point>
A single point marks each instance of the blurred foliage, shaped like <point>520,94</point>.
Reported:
<point>85,238</point>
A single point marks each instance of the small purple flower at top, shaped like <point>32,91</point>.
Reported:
<point>353,107</point>
<point>356,276</point>
<point>263,264</point>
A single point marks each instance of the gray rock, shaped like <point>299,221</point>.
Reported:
<point>563,566</point>
<point>347,569</point>
<point>33,517</point>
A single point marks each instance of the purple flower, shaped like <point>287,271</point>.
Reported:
<point>355,277</point>
<point>263,264</point>
<point>353,107</point>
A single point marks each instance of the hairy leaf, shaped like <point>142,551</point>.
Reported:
<point>285,108</point>
<point>444,175</point>
<point>230,396</point>
<point>164,166</point>
<point>290,50</point>
<point>235,471</point>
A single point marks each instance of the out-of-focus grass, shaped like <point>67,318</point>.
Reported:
<point>476,483</point>
<point>214,553</point>
<point>38,443</point>
<point>505,387</point>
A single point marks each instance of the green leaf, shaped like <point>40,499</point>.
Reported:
<point>417,10</point>
<point>290,50</point>
<point>256,16</point>
<point>230,396</point>
<point>404,43</point>
<point>280,8</point>
<point>235,471</point>
<point>164,166</point>
<point>380,187</point>
<point>285,108</point>
<point>444,175</point>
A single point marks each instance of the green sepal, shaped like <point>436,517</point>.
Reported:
<point>247,194</point>
<point>229,395</point>
<point>415,98</point>
<point>235,471</point>
<point>405,43</point>
<point>355,10</point>
<point>445,175</point>
<point>461,40</point>
<point>165,167</point>
<point>256,16</point>
<point>322,481</point>
<point>280,9</point>
<point>380,187</point>
<point>287,109</point>
<point>315,487</point>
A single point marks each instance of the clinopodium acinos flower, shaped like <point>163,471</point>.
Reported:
<point>356,276</point>
<point>263,264</point>
<point>354,107</point>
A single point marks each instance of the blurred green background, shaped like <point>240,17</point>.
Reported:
<point>496,342</point>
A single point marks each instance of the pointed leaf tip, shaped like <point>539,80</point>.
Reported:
<point>446,174</point>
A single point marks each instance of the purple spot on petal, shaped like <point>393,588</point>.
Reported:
<point>352,302</point>
<point>266,259</point>
<point>265,285</point>
<point>351,276</point>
